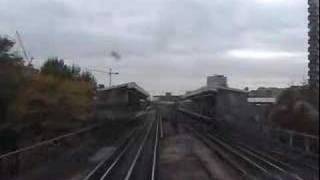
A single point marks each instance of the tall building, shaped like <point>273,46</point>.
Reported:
<point>217,81</point>
<point>313,43</point>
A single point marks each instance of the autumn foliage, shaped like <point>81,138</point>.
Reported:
<point>54,102</point>
<point>40,104</point>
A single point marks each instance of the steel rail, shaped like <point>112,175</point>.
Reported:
<point>251,156</point>
<point>263,160</point>
<point>107,167</point>
<point>270,164</point>
<point>309,166</point>
<point>117,154</point>
<point>106,173</point>
<point>129,173</point>
<point>103,162</point>
<point>155,152</point>
<point>255,159</point>
<point>202,118</point>
<point>269,157</point>
<point>266,156</point>
<point>270,161</point>
<point>221,153</point>
<point>161,127</point>
<point>238,154</point>
<point>241,155</point>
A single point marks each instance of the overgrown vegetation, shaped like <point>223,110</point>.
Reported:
<point>11,76</point>
<point>41,103</point>
<point>297,108</point>
<point>52,100</point>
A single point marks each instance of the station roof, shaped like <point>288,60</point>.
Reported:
<point>232,89</point>
<point>130,85</point>
<point>262,100</point>
<point>203,90</point>
<point>207,90</point>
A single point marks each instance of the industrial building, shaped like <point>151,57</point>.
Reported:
<point>313,43</point>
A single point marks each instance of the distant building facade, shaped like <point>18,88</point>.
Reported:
<point>167,97</point>
<point>266,92</point>
<point>313,43</point>
<point>261,100</point>
<point>217,81</point>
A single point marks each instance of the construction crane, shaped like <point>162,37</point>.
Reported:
<point>110,76</point>
<point>29,60</point>
<point>110,73</point>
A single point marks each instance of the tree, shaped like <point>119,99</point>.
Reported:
<point>57,68</point>
<point>88,77</point>
<point>57,96</point>
<point>297,109</point>
<point>74,71</point>
<point>6,56</point>
<point>5,45</point>
<point>11,75</point>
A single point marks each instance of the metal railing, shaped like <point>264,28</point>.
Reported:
<point>296,140</point>
<point>15,162</point>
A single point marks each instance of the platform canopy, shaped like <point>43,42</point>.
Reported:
<point>130,86</point>
<point>209,91</point>
<point>262,100</point>
<point>204,91</point>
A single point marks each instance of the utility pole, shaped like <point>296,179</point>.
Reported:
<point>110,75</point>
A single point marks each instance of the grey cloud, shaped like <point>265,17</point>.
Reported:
<point>166,45</point>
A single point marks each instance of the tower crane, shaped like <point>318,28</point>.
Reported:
<point>26,56</point>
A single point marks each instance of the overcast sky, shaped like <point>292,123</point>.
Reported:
<point>168,45</point>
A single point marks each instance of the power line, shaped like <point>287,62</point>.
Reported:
<point>97,70</point>
<point>110,73</point>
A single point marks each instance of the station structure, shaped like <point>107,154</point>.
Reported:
<point>121,101</point>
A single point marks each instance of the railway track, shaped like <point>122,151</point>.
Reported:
<point>281,165</point>
<point>282,159</point>
<point>250,164</point>
<point>135,159</point>
<point>311,164</point>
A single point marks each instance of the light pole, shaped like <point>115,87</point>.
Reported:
<point>110,75</point>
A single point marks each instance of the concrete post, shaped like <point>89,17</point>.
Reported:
<point>307,144</point>
<point>290,139</point>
